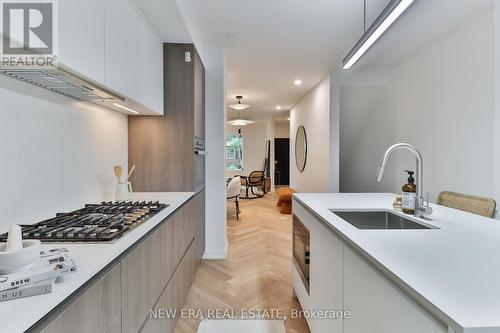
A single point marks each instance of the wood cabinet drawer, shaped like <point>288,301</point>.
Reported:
<point>95,310</point>
<point>173,297</point>
<point>176,236</point>
<point>196,213</point>
<point>147,270</point>
<point>136,298</point>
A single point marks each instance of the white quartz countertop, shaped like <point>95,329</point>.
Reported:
<point>19,315</point>
<point>453,270</point>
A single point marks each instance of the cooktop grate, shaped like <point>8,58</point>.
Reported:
<point>102,222</point>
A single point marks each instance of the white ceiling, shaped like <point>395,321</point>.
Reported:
<point>165,17</point>
<point>272,43</point>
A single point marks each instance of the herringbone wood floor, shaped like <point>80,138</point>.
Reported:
<point>257,271</point>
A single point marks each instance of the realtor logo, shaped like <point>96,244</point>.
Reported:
<point>28,32</point>
<point>29,28</point>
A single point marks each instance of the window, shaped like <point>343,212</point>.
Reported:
<point>231,153</point>
<point>234,152</point>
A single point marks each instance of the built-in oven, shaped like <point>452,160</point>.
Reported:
<point>301,250</point>
<point>199,164</point>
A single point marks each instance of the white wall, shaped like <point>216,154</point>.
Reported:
<point>441,100</point>
<point>496,139</point>
<point>281,129</point>
<point>313,112</point>
<point>57,154</point>
<point>215,204</point>
<point>367,128</point>
<point>254,147</point>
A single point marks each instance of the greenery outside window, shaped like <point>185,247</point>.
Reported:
<point>234,152</point>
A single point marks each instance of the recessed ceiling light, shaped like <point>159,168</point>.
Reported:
<point>297,82</point>
<point>278,107</point>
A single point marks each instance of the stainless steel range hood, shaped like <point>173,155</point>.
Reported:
<point>65,82</point>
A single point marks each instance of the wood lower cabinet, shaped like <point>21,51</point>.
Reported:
<point>199,218</point>
<point>98,309</point>
<point>168,308</point>
<point>157,273</point>
<point>140,283</point>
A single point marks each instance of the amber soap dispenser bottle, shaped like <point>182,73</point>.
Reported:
<point>409,194</point>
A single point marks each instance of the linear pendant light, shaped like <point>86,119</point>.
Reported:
<point>383,22</point>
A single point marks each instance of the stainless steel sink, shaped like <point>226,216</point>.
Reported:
<point>378,220</point>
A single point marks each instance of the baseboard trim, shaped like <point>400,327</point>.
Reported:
<point>217,255</point>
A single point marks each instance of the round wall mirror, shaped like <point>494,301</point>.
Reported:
<point>301,148</point>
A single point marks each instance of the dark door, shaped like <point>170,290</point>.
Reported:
<point>282,161</point>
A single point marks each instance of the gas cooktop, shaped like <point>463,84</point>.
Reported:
<point>102,222</point>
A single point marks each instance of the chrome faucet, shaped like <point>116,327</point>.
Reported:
<point>421,208</point>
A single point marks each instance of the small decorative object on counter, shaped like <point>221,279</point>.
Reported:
<point>39,278</point>
<point>398,203</point>
<point>409,194</point>
<point>123,189</point>
<point>17,253</point>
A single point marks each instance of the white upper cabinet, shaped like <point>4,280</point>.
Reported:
<point>109,42</point>
<point>81,37</point>
<point>150,69</point>
<point>121,50</point>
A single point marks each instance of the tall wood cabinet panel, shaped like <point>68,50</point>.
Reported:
<point>162,148</point>
<point>199,97</point>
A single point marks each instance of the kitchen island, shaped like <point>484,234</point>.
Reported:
<point>117,283</point>
<point>442,279</point>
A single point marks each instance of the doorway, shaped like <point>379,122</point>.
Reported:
<point>282,162</point>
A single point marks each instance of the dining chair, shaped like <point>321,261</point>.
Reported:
<point>233,192</point>
<point>468,203</point>
<point>254,180</point>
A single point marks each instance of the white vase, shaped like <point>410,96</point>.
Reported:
<point>123,191</point>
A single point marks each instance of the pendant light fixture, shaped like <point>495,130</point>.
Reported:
<point>383,22</point>
<point>239,121</point>
<point>239,106</point>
